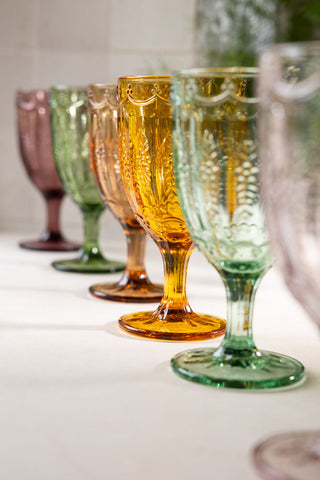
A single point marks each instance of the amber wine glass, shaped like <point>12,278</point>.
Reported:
<point>146,159</point>
<point>134,285</point>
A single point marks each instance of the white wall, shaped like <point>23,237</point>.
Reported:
<point>45,42</point>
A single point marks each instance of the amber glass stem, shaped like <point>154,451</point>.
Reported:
<point>175,259</point>
<point>136,249</point>
<point>90,247</point>
<point>53,204</point>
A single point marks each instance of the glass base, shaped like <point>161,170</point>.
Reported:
<point>173,325</point>
<point>50,245</point>
<point>88,265</point>
<point>132,293</point>
<point>294,456</point>
<point>247,369</point>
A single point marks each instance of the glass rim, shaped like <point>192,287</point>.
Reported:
<point>102,85</point>
<point>290,49</point>
<point>68,88</point>
<point>217,71</point>
<point>31,90</point>
<point>143,78</point>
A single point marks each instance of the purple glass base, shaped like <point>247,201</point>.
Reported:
<point>50,243</point>
<point>289,456</point>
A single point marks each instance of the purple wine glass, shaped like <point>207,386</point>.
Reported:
<point>289,131</point>
<point>34,136</point>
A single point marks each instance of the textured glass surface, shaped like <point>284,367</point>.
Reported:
<point>217,172</point>
<point>134,285</point>
<point>34,136</point>
<point>146,158</point>
<point>289,126</point>
<point>70,137</point>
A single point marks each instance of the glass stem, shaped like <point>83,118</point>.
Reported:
<point>136,249</point>
<point>175,260</point>
<point>91,219</point>
<point>241,290</point>
<point>53,205</point>
<point>315,446</point>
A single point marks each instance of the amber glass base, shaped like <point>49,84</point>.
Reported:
<point>174,325</point>
<point>128,290</point>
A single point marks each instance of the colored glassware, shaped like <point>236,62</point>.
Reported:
<point>134,285</point>
<point>289,127</point>
<point>70,136</point>
<point>146,159</point>
<point>34,135</point>
<point>216,167</point>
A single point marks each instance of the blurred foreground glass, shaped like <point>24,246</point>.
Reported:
<point>289,128</point>
<point>216,167</point>
<point>146,158</point>
<point>34,135</point>
<point>70,137</point>
<point>134,285</point>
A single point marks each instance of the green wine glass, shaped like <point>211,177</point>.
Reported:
<point>217,173</point>
<point>70,142</point>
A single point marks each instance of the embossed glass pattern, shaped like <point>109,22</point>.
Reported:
<point>217,172</point>
<point>70,136</point>
<point>146,158</point>
<point>289,127</point>
<point>134,285</point>
<point>34,136</point>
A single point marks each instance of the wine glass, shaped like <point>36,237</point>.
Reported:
<point>34,136</point>
<point>70,137</point>
<point>289,127</point>
<point>146,160</point>
<point>134,285</point>
<point>216,167</point>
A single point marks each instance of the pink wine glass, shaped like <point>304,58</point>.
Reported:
<point>34,135</point>
<point>289,131</point>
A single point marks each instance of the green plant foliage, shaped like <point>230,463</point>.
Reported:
<point>230,32</point>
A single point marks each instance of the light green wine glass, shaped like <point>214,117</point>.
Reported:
<point>217,173</point>
<point>70,142</point>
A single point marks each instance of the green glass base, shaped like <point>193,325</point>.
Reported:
<point>88,265</point>
<point>252,370</point>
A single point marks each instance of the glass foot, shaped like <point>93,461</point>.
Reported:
<point>250,370</point>
<point>175,326</point>
<point>294,456</point>
<point>132,293</point>
<point>50,245</point>
<point>90,265</point>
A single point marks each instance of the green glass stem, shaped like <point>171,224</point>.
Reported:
<point>90,249</point>
<point>241,289</point>
<point>237,363</point>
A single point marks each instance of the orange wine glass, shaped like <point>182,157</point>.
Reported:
<point>146,160</point>
<point>134,285</point>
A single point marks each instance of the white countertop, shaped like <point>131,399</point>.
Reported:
<point>82,400</point>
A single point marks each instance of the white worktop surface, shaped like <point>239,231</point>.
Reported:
<point>81,400</point>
